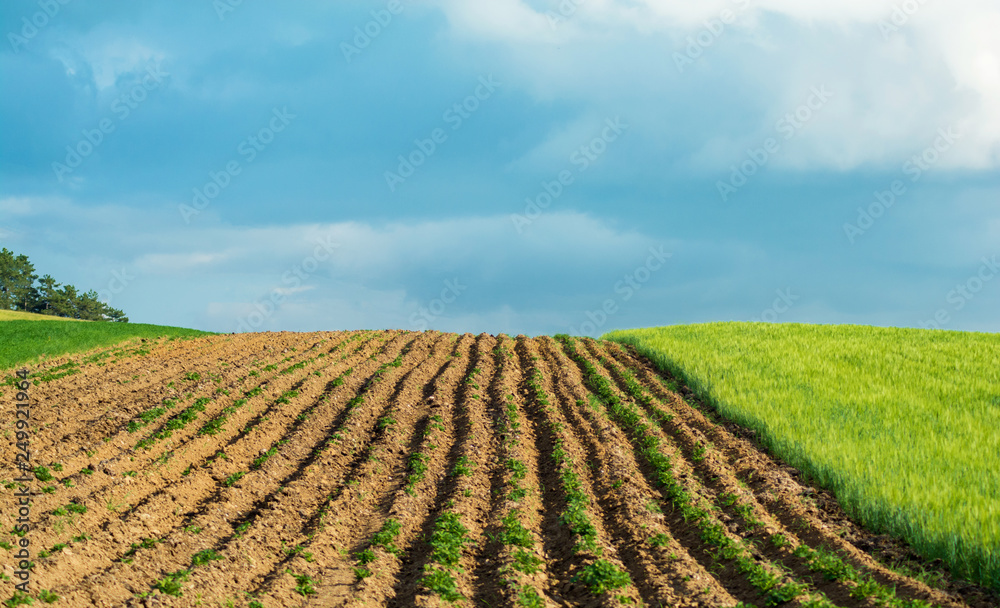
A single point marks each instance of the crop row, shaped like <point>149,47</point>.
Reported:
<point>518,542</point>
<point>766,578</point>
<point>599,575</point>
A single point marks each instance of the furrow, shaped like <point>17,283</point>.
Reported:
<point>740,511</point>
<point>465,498</point>
<point>587,567</point>
<point>108,486</point>
<point>420,480</point>
<point>69,403</point>
<point>305,492</point>
<point>108,423</point>
<point>360,471</point>
<point>751,576</point>
<point>201,487</point>
<point>511,564</point>
<point>662,568</point>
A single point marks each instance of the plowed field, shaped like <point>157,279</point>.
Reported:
<point>390,468</point>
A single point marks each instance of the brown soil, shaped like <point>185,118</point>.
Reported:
<point>279,501</point>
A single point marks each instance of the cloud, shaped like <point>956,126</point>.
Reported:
<point>210,274</point>
<point>387,255</point>
<point>476,273</point>
<point>108,57</point>
<point>508,21</point>
<point>18,205</point>
<point>901,70</point>
<point>175,263</point>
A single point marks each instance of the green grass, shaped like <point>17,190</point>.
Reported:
<point>23,341</point>
<point>901,424</point>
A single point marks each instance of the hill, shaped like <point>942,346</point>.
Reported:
<point>25,339</point>
<point>17,315</point>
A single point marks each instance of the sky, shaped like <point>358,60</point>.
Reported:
<point>515,166</point>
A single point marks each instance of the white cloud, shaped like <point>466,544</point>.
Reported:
<point>901,73</point>
<point>499,20</point>
<point>215,276</point>
<point>111,59</point>
<point>334,274</point>
<point>173,263</point>
<point>16,205</point>
<point>106,56</point>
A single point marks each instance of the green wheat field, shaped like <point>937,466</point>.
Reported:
<point>902,424</point>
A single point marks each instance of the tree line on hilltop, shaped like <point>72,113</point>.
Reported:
<point>21,289</point>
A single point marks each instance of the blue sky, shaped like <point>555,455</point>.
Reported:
<point>508,166</point>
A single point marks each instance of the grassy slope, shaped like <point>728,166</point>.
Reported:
<point>17,315</point>
<point>25,341</point>
<point>902,424</point>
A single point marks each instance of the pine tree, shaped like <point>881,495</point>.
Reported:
<point>19,292</point>
<point>65,302</point>
<point>7,278</point>
<point>46,294</point>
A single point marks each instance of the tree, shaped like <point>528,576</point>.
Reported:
<point>46,294</point>
<point>65,302</point>
<point>113,314</point>
<point>18,292</point>
<point>22,283</point>
<point>88,307</point>
<point>17,281</point>
<point>7,278</point>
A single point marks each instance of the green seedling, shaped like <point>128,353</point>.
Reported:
<point>463,467</point>
<point>602,576</point>
<point>205,556</point>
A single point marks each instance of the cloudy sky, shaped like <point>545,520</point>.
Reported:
<point>519,166</point>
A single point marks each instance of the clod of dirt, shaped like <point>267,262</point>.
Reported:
<point>106,466</point>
